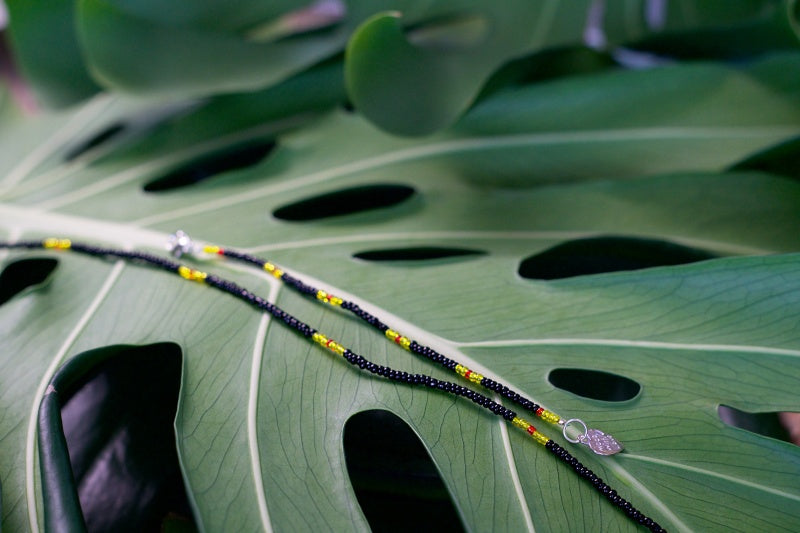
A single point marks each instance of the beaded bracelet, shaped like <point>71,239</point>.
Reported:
<point>355,359</point>
<point>599,442</point>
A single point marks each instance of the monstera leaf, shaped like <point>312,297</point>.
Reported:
<point>447,240</point>
<point>170,48</point>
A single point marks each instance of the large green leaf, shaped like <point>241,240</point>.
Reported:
<point>428,60</point>
<point>415,81</point>
<point>262,412</point>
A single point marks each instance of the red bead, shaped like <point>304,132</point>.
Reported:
<point>531,430</point>
<point>539,411</point>
<point>467,373</point>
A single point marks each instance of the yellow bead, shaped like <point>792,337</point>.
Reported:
<point>520,423</point>
<point>185,272</point>
<point>335,300</point>
<point>405,342</point>
<point>549,416</point>
<point>277,273</point>
<point>322,295</point>
<point>64,244</point>
<point>269,267</point>
<point>50,242</point>
<point>475,377</point>
<point>211,249</point>
<point>540,438</point>
<point>199,276</point>
<point>461,370</point>
<point>391,334</point>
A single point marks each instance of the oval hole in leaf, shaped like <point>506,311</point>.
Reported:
<point>416,254</point>
<point>597,255</point>
<point>117,407</point>
<point>232,158</point>
<point>345,202</point>
<point>24,273</point>
<point>594,384</point>
<point>348,107</point>
<point>395,481</point>
<point>767,424</point>
<point>783,159</point>
<point>96,140</point>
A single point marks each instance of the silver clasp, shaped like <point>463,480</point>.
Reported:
<point>180,243</point>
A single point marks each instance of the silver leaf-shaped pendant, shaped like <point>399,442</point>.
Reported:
<point>600,443</point>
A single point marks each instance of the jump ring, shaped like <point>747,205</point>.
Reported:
<point>577,421</point>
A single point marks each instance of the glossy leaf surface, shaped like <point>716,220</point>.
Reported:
<point>262,412</point>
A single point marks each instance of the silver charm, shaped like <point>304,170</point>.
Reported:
<point>179,243</point>
<point>596,440</point>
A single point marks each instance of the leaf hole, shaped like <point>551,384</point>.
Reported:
<point>767,424</point>
<point>232,158</point>
<point>594,384</point>
<point>345,202</point>
<point>395,481</point>
<point>23,274</point>
<point>117,407</point>
<point>100,138</point>
<point>348,107</point>
<point>597,255</point>
<point>783,159</point>
<point>417,254</point>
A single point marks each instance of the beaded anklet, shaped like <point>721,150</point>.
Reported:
<point>351,357</point>
<point>598,441</point>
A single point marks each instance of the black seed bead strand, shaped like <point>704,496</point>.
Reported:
<point>430,382</point>
<point>245,258</point>
<point>298,285</point>
<point>243,294</point>
<point>415,379</point>
<point>25,245</point>
<point>135,257</point>
<point>603,488</point>
<point>372,320</point>
<point>433,355</point>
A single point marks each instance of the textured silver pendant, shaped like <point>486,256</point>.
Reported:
<point>599,442</point>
